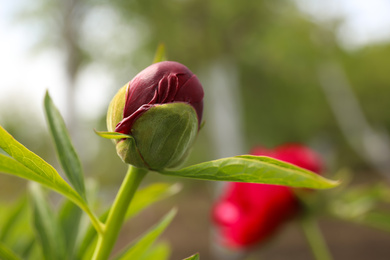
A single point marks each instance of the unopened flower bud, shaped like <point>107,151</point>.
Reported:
<point>161,108</point>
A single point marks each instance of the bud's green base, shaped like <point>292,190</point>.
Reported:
<point>162,136</point>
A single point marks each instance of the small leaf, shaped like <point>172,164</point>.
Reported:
<point>193,257</point>
<point>46,227</point>
<point>161,251</point>
<point>15,221</point>
<point>112,135</point>
<point>143,198</point>
<point>66,153</point>
<point>140,247</point>
<point>26,249</point>
<point>28,165</point>
<point>12,219</point>
<point>90,239</point>
<point>355,202</point>
<point>7,254</point>
<point>255,169</point>
<point>151,194</point>
<point>160,53</point>
<point>69,221</point>
<point>377,219</point>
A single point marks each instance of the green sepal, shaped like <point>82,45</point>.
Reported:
<point>128,152</point>
<point>112,135</point>
<point>165,133</point>
<point>115,109</point>
<point>160,137</point>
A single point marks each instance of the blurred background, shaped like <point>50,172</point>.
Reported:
<point>314,72</point>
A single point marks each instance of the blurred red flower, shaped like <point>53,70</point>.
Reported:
<point>249,213</point>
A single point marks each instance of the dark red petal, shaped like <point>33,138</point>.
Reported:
<point>161,83</point>
<point>125,125</point>
<point>167,89</point>
<point>138,94</point>
<point>192,92</point>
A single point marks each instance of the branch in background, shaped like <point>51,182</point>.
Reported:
<point>369,143</point>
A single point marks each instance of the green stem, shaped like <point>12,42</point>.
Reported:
<point>116,216</point>
<point>315,239</point>
<point>98,225</point>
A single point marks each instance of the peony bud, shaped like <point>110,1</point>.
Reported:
<point>161,108</point>
<point>250,213</point>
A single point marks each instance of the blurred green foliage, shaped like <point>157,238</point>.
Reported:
<point>277,52</point>
<point>275,49</point>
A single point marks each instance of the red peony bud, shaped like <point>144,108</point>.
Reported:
<point>161,109</point>
<point>160,83</point>
<point>249,213</point>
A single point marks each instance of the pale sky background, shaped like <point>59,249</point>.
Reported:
<point>23,72</point>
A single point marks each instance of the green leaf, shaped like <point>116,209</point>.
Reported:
<point>254,169</point>
<point>28,165</point>
<point>69,221</point>
<point>143,198</point>
<point>7,254</point>
<point>160,53</point>
<point>112,135</point>
<point>85,227</point>
<point>12,219</point>
<point>193,257</point>
<point>354,203</point>
<point>45,224</point>
<point>89,251</point>
<point>25,250</point>
<point>11,166</point>
<point>151,194</point>
<point>15,221</point>
<point>376,219</point>
<point>140,248</point>
<point>161,251</point>
<point>66,153</point>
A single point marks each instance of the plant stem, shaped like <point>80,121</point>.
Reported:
<point>116,216</point>
<point>315,239</point>
<point>98,225</point>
